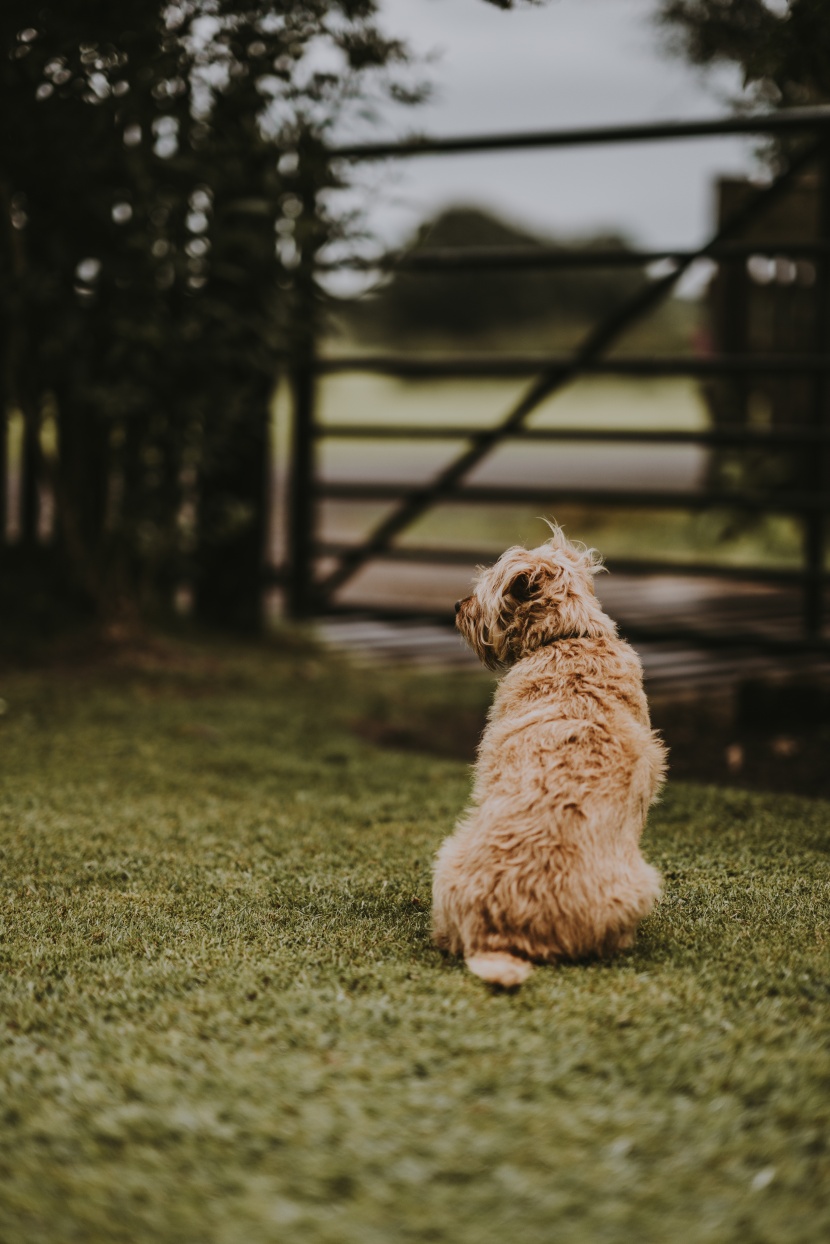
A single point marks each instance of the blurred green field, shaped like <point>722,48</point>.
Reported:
<point>589,403</point>
<point>675,404</point>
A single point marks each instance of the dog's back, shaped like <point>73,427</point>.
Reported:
<point>546,863</point>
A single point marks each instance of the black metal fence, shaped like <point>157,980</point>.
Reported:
<point>805,136</point>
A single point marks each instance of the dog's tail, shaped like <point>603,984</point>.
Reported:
<point>498,967</point>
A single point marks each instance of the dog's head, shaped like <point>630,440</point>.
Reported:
<point>532,597</point>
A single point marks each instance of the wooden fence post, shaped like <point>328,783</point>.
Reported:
<point>301,484</point>
<point>301,500</point>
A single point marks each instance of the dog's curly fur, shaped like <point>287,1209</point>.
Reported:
<point>546,863</point>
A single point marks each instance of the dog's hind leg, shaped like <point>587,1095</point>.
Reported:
<point>498,967</point>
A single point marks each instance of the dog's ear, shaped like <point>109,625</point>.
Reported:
<point>521,587</point>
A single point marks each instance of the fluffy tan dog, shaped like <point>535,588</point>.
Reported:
<point>546,863</point>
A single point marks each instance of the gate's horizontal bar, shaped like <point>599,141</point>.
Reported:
<point>618,565</point>
<point>508,366</point>
<point>783,503</point>
<point>786,121</point>
<point>748,641</point>
<point>457,259</point>
<point>775,438</point>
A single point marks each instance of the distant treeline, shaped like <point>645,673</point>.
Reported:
<point>467,304</point>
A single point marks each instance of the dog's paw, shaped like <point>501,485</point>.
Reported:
<point>500,968</point>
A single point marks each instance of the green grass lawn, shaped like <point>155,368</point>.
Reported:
<point>222,1019</point>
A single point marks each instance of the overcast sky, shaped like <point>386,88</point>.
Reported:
<point>565,63</point>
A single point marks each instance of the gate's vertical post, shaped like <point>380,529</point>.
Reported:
<point>301,483</point>
<point>819,473</point>
<point>301,501</point>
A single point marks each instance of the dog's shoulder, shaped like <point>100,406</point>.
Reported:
<point>603,657</point>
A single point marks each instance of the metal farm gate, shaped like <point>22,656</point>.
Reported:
<point>740,238</point>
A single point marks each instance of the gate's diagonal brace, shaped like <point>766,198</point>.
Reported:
<point>598,340</point>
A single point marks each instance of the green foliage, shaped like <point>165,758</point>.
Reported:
<point>459,304</point>
<point>158,170</point>
<point>783,50</point>
<point>223,1019</point>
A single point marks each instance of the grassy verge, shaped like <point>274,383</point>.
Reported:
<point>222,1019</point>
